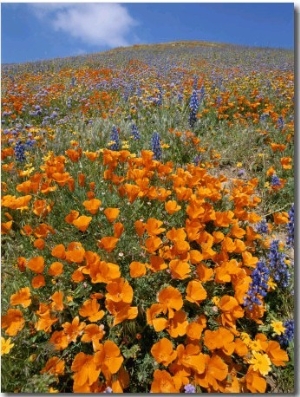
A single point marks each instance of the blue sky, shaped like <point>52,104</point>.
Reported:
<point>35,31</point>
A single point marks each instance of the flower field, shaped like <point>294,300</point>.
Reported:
<point>147,200</point>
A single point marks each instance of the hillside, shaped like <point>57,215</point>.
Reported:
<point>147,220</point>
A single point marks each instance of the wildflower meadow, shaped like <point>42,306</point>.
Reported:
<point>147,221</point>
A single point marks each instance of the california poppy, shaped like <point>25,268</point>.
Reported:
<point>13,322</point>
<point>82,222</point>
<point>90,309</point>
<point>55,365</point>
<point>22,297</point>
<point>109,358</point>
<point>137,269</point>
<point>36,264</point>
<point>163,383</point>
<point>74,330</point>
<point>111,214</point>
<point>55,269</point>
<point>93,333</point>
<point>108,243</point>
<point>38,281</point>
<point>163,352</point>
<point>195,292</point>
<point>92,205</point>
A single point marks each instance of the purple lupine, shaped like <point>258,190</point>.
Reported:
<point>278,268</point>
<point>189,388</point>
<point>155,145</point>
<point>194,106</point>
<point>291,227</point>
<point>259,285</point>
<point>288,334</point>
<point>115,138</point>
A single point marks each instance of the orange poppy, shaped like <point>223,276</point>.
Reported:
<point>93,333</point>
<point>59,339</point>
<point>286,163</point>
<point>90,309</point>
<point>6,227</point>
<point>172,206</point>
<point>57,299</point>
<point>119,291</point>
<point>170,298</point>
<point>26,230</point>
<point>255,383</point>
<point>231,310</point>
<point>111,214</point>
<point>55,269</point>
<point>45,320</point>
<point>104,272</point>
<point>157,263</point>
<point>137,269</point>
<point>13,322</point>
<point>204,273</point>
<point>121,311</point>
<point>22,263</point>
<point>92,205</point>
<point>224,219</point>
<point>85,368</point>
<point>72,215</point>
<point>55,365</point>
<point>36,264</point>
<point>190,357</point>
<point>38,281</point>
<point>195,292</point>
<point>75,252</point>
<point>59,251</point>
<point>163,382</point>
<point>163,352</point>
<point>118,229</point>
<point>177,325</point>
<point>180,270</point>
<point>43,230</point>
<point>74,330</point>
<point>74,155</point>
<point>153,227</point>
<point>22,297</point>
<point>39,243</point>
<point>140,227</point>
<point>221,338</point>
<point>194,329</point>
<point>82,222</point>
<point>216,371</point>
<point>81,179</point>
<point>123,381</point>
<point>152,244</point>
<point>41,208</point>
<point>278,356</point>
<point>280,218</point>
<point>109,358</point>
<point>108,243</point>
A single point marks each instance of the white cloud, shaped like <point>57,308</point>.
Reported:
<point>100,24</point>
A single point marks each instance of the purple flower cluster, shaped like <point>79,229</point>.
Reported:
<point>19,152</point>
<point>275,181</point>
<point>291,227</point>
<point>288,334</point>
<point>262,227</point>
<point>135,132</point>
<point>189,388</point>
<point>155,145</point>
<point>115,138</point>
<point>194,106</point>
<point>278,268</point>
<point>258,286</point>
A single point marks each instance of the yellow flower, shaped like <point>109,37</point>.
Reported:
<point>6,346</point>
<point>261,363</point>
<point>165,146</point>
<point>255,345</point>
<point>245,338</point>
<point>239,164</point>
<point>278,327</point>
<point>271,284</point>
<point>215,300</point>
